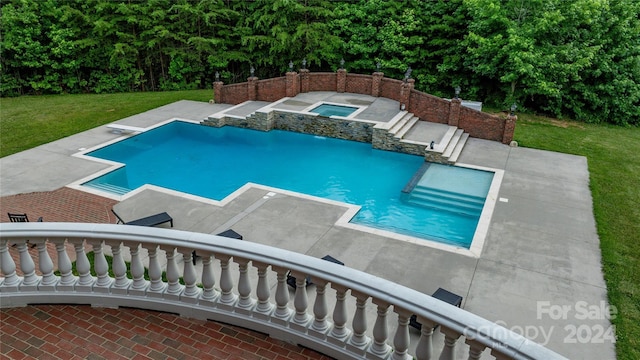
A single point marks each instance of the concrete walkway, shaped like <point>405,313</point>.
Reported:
<point>541,253</point>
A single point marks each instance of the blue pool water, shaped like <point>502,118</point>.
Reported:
<point>330,109</point>
<point>213,162</point>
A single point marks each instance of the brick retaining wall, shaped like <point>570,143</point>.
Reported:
<point>425,106</point>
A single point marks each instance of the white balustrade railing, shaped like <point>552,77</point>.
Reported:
<point>306,318</point>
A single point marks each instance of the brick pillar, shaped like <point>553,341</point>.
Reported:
<point>217,92</point>
<point>293,87</point>
<point>252,88</point>
<point>405,94</point>
<point>375,84</point>
<point>454,112</point>
<point>304,80</point>
<point>341,83</point>
<point>509,128</point>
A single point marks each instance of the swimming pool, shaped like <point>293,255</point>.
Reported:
<point>333,110</point>
<point>214,162</point>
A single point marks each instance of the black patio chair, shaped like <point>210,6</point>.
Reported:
<point>291,280</point>
<point>227,233</point>
<point>152,220</point>
<point>20,217</point>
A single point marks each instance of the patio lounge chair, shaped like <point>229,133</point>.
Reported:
<point>442,295</point>
<point>227,233</point>
<point>152,220</point>
<point>20,218</point>
<point>291,280</point>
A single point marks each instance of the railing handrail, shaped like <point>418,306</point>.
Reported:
<point>411,301</point>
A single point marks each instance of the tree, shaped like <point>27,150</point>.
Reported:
<point>558,57</point>
<point>444,28</point>
<point>280,31</point>
<point>609,89</point>
<point>379,31</point>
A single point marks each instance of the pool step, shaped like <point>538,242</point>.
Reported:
<point>457,150</point>
<point>453,142</point>
<point>113,189</point>
<point>445,200</point>
<point>400,124</point>
<point>448,141</point>
<point>407,126</point>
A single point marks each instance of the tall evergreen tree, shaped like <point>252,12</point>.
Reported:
<point>379,31</point>
<point>444,27</point>
<point>290,30</point>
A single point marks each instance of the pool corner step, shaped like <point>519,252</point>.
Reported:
<point>113,189</point>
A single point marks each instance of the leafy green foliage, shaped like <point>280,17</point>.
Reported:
<point>280,31</point>
<point>575,58</point>
<point>559,57</point>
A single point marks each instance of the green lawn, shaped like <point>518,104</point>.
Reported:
<point>29,121</point>
<point>613,155</point>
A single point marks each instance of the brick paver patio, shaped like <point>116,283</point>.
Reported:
<point>82,332</point>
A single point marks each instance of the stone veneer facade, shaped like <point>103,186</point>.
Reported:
<point>347,129</point>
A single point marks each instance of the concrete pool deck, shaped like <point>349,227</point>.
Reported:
<point>541,251</point>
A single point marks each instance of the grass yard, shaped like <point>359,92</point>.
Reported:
<point>613,155</point>
<point>29,121</point>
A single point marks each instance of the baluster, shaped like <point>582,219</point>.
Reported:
<point>191,291</point>
<point>339,333</point>
<point>264,307</point>
<point>300,302</point>
<point>67,279</point>
<point>157,286</point>
<point>245,302</point>
<point>359,340</point>
<point>30,279</point>
<point>320,325</point>
<point>101,268</point>
<point>138,285</point>
<point>173,288</point>
<point>500,355</point>
<point>83,268</point>
<point>227,297</point>
<point>283,312</point>
<point>46,266</point>
<point>119,267</point>
<point>401,339</point>
<point>8,266</point>
<point>380,348</point>
<point>475,349</point>
<point>424,350</point>
<point>209,293</point>
<point>450,339</point>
